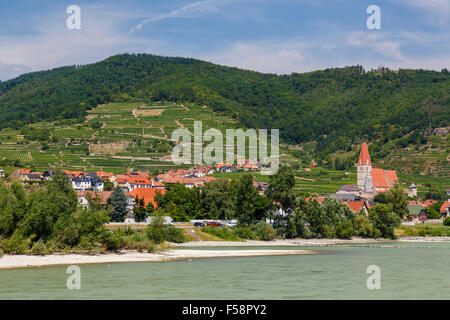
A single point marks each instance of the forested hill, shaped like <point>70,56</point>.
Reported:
<point>344,105</point>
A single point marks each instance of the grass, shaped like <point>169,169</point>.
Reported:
<point>427,230</point>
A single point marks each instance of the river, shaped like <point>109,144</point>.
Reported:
<point>407,271</point>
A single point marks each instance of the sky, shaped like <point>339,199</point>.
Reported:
<point>271,36</point>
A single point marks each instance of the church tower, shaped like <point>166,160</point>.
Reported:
<point>364,169</point>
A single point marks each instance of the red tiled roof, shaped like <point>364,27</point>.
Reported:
<point>157,183</point>
<point>104,175</point>
<point>444,206</point>
<point>220,165</point>
<point>319,199</point>
<point>428,202</point>
<point>103,195</point>
<point>392,176</point>
<point>364,158</point>
<point>148,194</point>
<point>379,178</point>
<point>138,181</point>
<point>355,206</point>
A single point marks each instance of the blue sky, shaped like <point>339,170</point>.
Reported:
<point>278,36</point>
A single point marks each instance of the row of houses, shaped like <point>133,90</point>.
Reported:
<point>145,194</point>
<point>356,205</point>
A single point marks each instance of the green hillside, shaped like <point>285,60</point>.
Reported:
<point>337,107</point>
<point>114,137</point>
<point>83,115</point>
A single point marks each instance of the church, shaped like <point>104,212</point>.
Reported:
<point>372,180</point>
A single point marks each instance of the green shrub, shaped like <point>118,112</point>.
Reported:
<point>244,231</point>
<point>150,246</point>
<point>363,227</point>
<point>86,243</point>
<point>156,230</point>
<point>114,241</point>
<point>327,231</point>
<point>17,244</point>
<point>173,234</point>
<point>221,232</point>
<point>437,232</point>
<point>264,231</point>
<point>447,221</point>
<point>39,248</point>
<point>344,230</point>
<point>410,232</point>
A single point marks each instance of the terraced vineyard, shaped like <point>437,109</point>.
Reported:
<point>133,136</point>
<point>115,137</point>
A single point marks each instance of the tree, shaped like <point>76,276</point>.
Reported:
<point>281,188</point>
<point>384,220</point>
<point>118,203</point>
<point>249,204</point>
<point>433,211</point>
<point>108,185</point>
<point>399,200</point>
<point>216,201</point>
<point>180,202</point>
<point>139,209</point>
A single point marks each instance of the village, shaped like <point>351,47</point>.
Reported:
<point>359,197</point>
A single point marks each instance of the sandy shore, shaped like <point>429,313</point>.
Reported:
<point>29,261</point>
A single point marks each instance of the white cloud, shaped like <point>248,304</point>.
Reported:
<point>52,45</point>
<point>8,71</point>
<point>260,56</point>
<point>189,10</point>
<point>368,49</point>
<point>378,42</point>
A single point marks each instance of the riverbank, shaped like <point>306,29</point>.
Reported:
<point>32,261</point>
<point>306,242</point>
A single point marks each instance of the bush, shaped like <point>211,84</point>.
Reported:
<point>344,230</point>
<point>221,232</point>
<point>264,231</point>
<point>17,244</point>
<point>158,232</point>
<point>86,243</point>
<point>155,230</point>
<point>114,241</point>
<point>363,227</point>
<point>410,232</point>
<point>173,234</point>
<point>447,221</point>
<point>39,248</point>
<point>244,231</point>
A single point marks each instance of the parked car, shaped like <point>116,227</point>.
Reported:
<point>199,224</point>
<point>214,223</point>
<point>231,224</point>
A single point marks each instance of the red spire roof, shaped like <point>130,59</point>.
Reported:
<point>364,158</point>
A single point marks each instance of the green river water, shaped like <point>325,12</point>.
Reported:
<point>408,271</point>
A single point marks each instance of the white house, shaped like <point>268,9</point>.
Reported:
<point>95,184</point>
